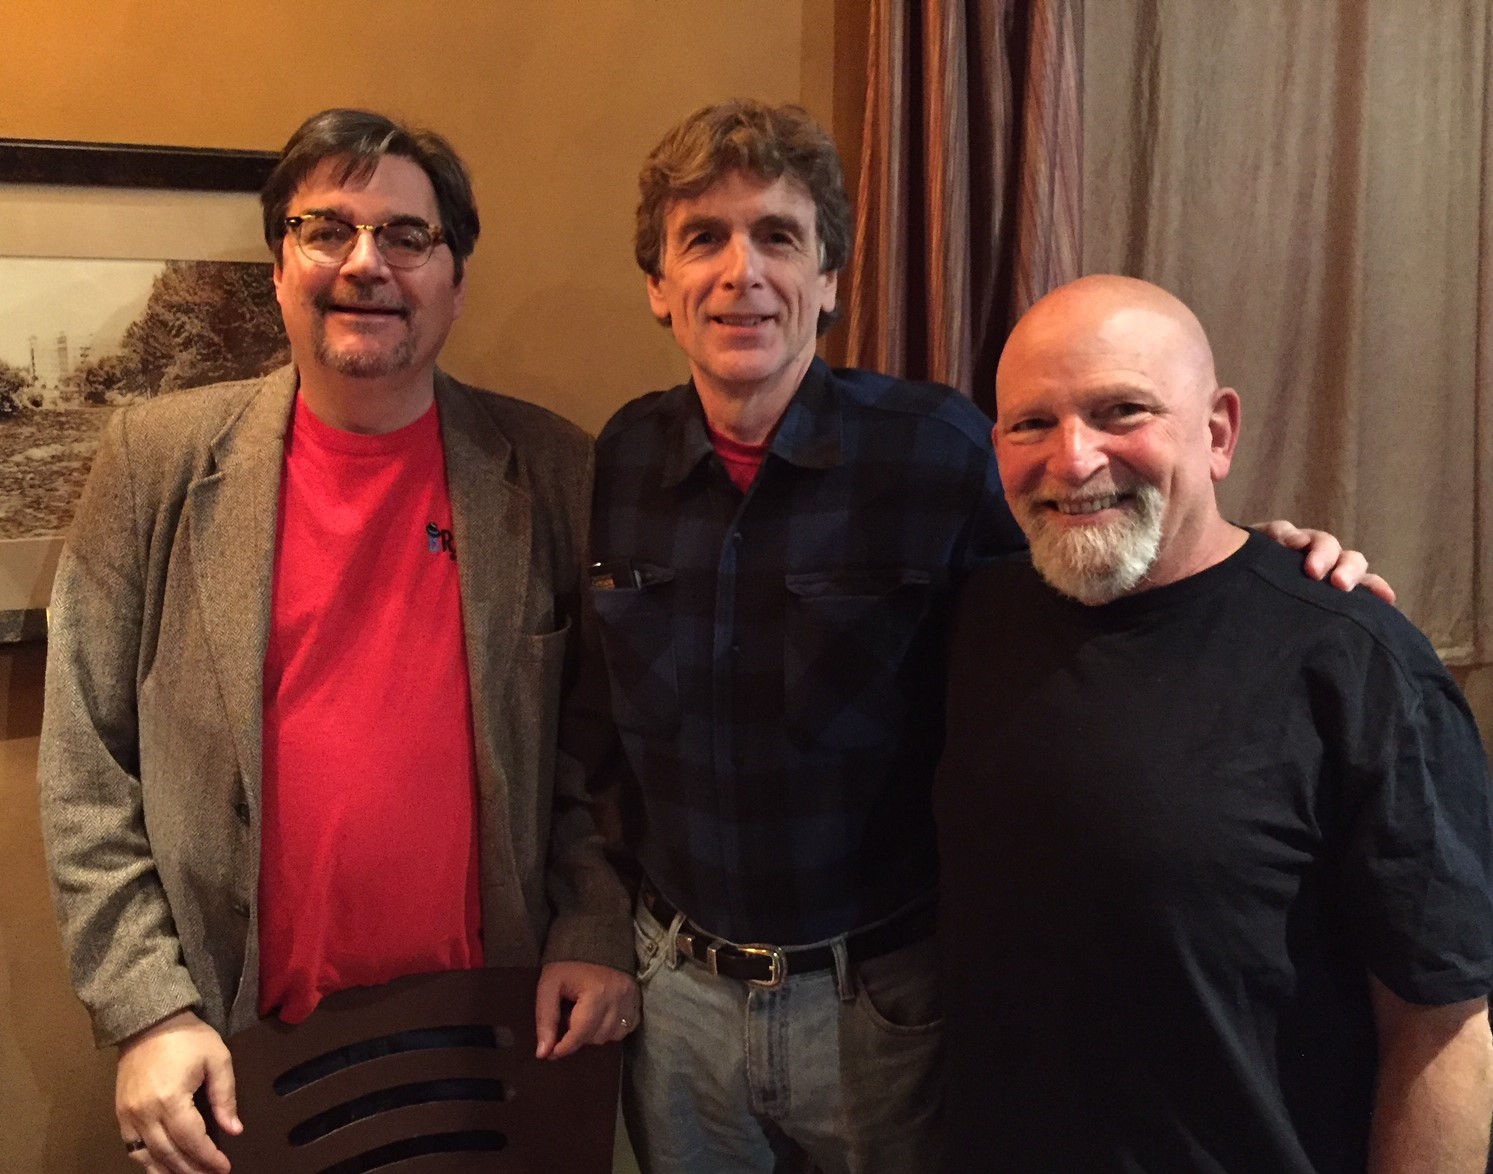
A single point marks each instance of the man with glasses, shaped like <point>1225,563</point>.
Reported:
<point>311,636</point>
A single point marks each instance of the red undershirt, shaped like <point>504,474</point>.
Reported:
<point>369,863</point>
<point>742,461</point>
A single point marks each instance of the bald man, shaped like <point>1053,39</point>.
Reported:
<point>1216,840</point>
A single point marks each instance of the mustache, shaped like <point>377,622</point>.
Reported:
<point>1110,486</point>
<point>356,299</point>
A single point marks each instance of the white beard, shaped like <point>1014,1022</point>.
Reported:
<point>1096,564</point>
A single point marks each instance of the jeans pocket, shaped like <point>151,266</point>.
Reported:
<point>650,942</point>
<point>900,992</point>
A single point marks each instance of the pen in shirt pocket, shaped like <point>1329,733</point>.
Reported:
<point>614,575</point>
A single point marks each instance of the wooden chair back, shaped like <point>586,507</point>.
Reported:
<point>434,1073</point>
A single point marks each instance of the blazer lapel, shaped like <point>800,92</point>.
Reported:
<point>231,524</point>
<point>492,521</point>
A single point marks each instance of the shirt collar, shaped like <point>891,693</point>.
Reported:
<point>809,434</point>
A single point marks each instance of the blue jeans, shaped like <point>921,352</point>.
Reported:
<point>839,1068</point>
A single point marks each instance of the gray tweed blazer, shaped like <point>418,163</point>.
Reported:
<point>151,737</point>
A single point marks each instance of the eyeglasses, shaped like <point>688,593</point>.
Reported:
<point>329,240</point>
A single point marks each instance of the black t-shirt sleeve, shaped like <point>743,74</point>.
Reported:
<point>1418,870</point>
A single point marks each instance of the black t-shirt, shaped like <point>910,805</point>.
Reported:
<point>1177,832</point>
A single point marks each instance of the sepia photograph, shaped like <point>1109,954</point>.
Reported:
<point>80,338</point>
<point>103,249</point>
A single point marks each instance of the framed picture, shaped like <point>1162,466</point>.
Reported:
<point>125,272</point>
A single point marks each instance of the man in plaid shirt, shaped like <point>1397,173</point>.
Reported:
<point>778,546</point>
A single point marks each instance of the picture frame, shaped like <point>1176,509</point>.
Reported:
<point>112,201</point>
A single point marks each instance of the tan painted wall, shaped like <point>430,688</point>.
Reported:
<point>553,105</point>
<point>55,1090</point>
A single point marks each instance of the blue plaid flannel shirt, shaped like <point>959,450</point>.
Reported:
<point>776,659</point>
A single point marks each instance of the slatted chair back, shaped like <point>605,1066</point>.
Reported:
<point>432,1074</point>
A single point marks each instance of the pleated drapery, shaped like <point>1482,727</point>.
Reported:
<point>1313,178</point>
<point>971,181</point>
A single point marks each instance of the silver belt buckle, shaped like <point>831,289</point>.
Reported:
<point>684,943</point>
<point>778,965</point>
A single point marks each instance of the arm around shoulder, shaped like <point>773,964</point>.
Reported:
<point>1326,559</point>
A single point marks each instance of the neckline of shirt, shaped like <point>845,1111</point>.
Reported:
<point>306,424</point>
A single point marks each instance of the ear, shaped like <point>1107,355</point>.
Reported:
<point>1223,432</point>
<point>459,297</point>
<point>657,301</point>
<point>829,284</point>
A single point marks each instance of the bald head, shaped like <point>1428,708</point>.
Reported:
<point>1111,434</point>
<point>1118,316</point>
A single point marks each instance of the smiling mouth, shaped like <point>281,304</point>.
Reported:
<point>1077,506</point>
<point>742,319</point>
<point>328,305</point>
<point>366,311</point>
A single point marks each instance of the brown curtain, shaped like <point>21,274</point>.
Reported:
<point>1313,177</point>
<point>970,182</point>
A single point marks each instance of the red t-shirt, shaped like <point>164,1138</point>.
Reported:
<point>368,856</point>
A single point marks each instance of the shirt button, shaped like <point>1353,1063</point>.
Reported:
<point>736,538</point>
<point>241,809</point>
<point>240,906</point>
<point>735,649</point>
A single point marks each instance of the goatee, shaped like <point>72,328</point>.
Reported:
<point>1096,564</point>
<point>362,364</point>
<point>375,364</point>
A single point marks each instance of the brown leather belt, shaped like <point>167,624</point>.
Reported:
<point>767,966</point>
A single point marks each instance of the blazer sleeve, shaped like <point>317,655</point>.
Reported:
<point>592,909</point>
<point>118,934</point>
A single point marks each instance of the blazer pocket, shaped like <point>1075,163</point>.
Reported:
<point>533,706</point>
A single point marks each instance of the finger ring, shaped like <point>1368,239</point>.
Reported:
<point>131,1146</point>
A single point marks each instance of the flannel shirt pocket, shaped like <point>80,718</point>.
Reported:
<point>637,634</point>
<point>846,637</point>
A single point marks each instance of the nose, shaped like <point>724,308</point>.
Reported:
<point>365,261</point>
<point>743,265</point>
<point>1079,452</point>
